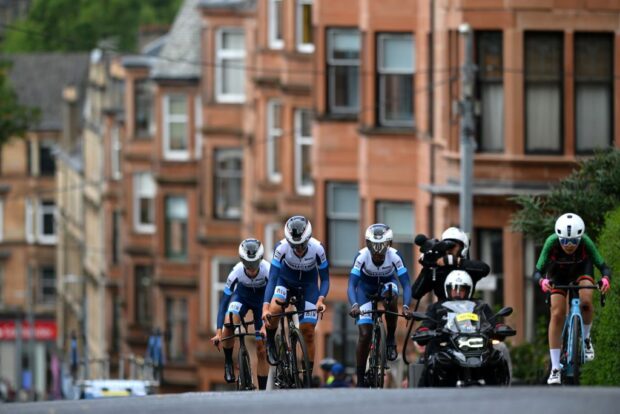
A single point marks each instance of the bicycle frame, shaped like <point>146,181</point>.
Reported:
<point>245,379</point>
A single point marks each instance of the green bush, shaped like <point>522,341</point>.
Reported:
<point>605,369</point>
<point>530,359</point>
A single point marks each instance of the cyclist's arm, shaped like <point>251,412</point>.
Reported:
<point>596,257</point>
<point>323,265</point>
<point>354,280</point>
<point>221,313</point>
<point>274,269</point>
<point>403,277</point>
<point>543,259</point>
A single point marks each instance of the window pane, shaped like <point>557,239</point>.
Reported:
<point>593,56</point>
<point>143,107</point>
<point>397,99</point>
<point>543,117</point>
<point>399,216</point>
<point>47,164</point>
<point>48,223</point>
<point>177,105</point>
<point>397,52</point>
<point>306,23</point>
<point>306,123</point>
<point>146,184</point>
<point>344,85</point>
<point>490,59</point>
<point>344,198</point>
<point>178,137</point>
<point>276,115</point>
<point>232,76</point>
<point>233,41</point>
<point>48,284</point>
<point>306,165</point>
<point>228,184</point>
<point>143,276</point>
<point>146,211</point>
<point>543,56</point>
<point>277,15</point>
<point>176,329</point>
<point>492,119</point>
<point>176,208</point>
<point>345,44</point>
<point>593,110</point>
<point>343,241</point>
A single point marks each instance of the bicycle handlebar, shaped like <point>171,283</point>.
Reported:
<point>577,287</point>
<point>382,311</point>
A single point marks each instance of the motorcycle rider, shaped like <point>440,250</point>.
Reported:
<point>434,272</point>
<point>458,286</point>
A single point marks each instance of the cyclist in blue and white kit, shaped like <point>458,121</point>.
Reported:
<point>376,263</point>
<point>245,289</point>
<point>299,261</point>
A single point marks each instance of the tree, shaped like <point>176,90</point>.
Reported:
<point>591,191</point>
<point>79,25</point>
<point>14,118</point>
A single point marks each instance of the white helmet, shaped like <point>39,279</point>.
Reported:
<point>458,279</point>
<point>298,231</point>
<point>453,233</point>
<point>251,253</point>
<point>379,238</point>
<point>569,225</point>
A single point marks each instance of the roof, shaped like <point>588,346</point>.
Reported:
<point>180,56</point>
<point>38,79</point>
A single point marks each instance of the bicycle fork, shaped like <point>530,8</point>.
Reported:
<point>568,325</point>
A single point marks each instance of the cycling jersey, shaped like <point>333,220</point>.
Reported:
<point>290,271</point>
<point>564,268</point>
<point>243,293</point>
<point>366,276</point>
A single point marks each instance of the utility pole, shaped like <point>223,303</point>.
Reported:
<point>467,130</point>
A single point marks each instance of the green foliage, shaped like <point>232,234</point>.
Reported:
<point>605,369</point>
<point>14,118</point>
<point>590,191</point>
<point>530,359</point>
<point>78,25</point>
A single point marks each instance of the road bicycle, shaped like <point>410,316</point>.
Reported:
<point>377,356</point>
<point>572,353</point>
<point>240,330</point>
<point>293,363</point>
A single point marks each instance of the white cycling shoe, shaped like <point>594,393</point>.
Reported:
<point>589,351</point>
<point>555,378</point>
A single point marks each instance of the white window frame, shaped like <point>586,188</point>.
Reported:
<point>274,137</point>
<point>217,287</point>
<point>299,30</point>
<point>332,216</point>
<point>300,141</point>
<point>269,241</point>
<point>29,222</point>
<point>332,62</point>
<point>198,126</point>
<point>381,71</point>
<point>139,227</point>
<point>170,154</point>
<point>220,155</point>
<point>41,212</point>
<point>274,41</point>
<point>115,156</point>
<point>221,55</point>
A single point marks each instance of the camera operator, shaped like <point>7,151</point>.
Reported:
<point>439,258</point>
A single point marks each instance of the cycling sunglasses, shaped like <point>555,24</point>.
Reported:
<point>565,241</point>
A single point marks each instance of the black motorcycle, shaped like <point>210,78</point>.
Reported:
<point>461,351</point>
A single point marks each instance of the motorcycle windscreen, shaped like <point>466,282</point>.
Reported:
<point>462,317</point>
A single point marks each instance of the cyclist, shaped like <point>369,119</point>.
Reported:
<point>376,263</point>
<point>568,256</point>
<point>297,261</point>
<point>244,290</point>
<point>456,258</point>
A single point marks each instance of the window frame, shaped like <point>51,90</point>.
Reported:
<point>116,156</point>
<point>381,207</point>
<point>222,55</point>
<point>333,216</point>
<point>146,91</point>
<point>299,26</point>
<point>302,141</point>
<point>274,137</point>
<point>43,210</point>
<point>275,43</point>
<point>168,120</point>
<point>270,239</point>
<point>560,85</point>
<point>217,287</point>
<point>334,63</point>
<point>45,284</point>
<point>167,236</point>
<point>610,82</point>
<point>45,145</point>
<point>143,320</point>
<point>139,227</point>
<point>185,341</point>
<point>220,154</point>
<point>382,72</point>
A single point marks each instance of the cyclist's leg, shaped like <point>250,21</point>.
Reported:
<point>262,367</point>
<point>587,309</point>
<point>309,319</point>
<point>280,295</point>
<point>237,310</point>
<point>556,323</point>
<point>364,324</point>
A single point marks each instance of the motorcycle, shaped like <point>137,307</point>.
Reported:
<point>461,351</point>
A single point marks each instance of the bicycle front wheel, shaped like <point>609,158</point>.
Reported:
<point>300,363</point>
<point>377,359</point>
<point>245,370</point>
<point>576,349</point>
<point>282,379</point>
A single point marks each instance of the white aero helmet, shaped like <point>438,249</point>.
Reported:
<point>569,225</point>
<point>453,233</point>
<point>379,238</point>
<point>458,279</point>
<point>251,253</point>
<point>298,231</point>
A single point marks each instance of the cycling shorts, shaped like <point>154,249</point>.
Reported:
<point>560,274</point>
<point>240,307</point>
<point>310,295</point>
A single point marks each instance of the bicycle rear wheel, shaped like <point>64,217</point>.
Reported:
<point>245,370</point>
<point>300,363</point>
<point>377,358</point>
<point>577,349</point>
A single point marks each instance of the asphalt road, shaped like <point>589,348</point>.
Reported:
<point>522,400</point>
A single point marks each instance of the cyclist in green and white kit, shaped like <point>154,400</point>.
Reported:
<point>569,256</point>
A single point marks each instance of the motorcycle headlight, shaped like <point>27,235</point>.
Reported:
<point>466,343</point>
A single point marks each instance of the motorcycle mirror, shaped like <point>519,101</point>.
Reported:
<point>504,312</point>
